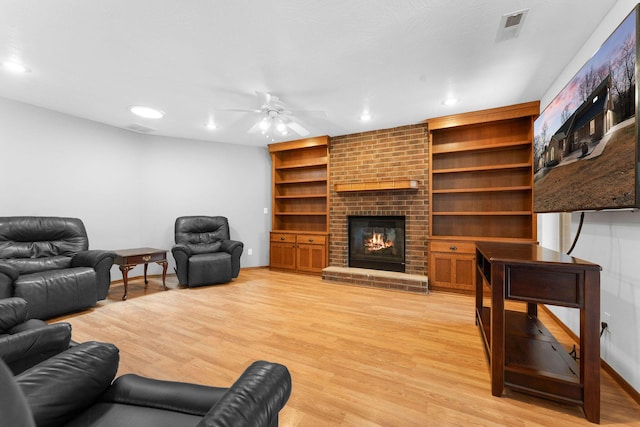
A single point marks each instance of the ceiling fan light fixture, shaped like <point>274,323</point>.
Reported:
<point>15,67</point>
<point>146,112</point>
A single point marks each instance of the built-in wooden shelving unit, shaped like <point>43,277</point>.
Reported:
<point>300,206</point>
<point>480,188</point>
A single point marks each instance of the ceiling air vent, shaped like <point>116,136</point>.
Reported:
<point>511,24</point>
<point>139,128</point>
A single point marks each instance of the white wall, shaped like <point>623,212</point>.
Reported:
<point>128,188</point>
<point>610,239</point>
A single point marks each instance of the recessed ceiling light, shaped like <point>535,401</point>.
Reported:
<point>146,112</point>
<point>211,125</point>
<point>450,101</point>
<point>15,67</point>
<point>365,117</point>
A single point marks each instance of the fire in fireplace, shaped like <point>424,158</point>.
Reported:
<point>377,242</point>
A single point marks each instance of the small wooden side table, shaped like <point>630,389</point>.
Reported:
<point>129,258</point>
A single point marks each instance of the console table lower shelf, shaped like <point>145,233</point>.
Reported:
<point>532,352</point>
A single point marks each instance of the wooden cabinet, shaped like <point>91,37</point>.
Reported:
<point>453,265</point>
<point>311,253</point>
<point>522,354</point>
<point>282,253</point>
<point>300,206</point>
<point>305,253</point>
<point>480,187</point>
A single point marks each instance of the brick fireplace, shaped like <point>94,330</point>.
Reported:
<point>399,153</point>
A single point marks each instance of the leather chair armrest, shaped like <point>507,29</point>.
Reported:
<point>181,248</point>
<point>8,275</point>
<point>255,399</point>
<point>235,248</point>
<point>181,253</point>
<point>13,311</point>
<point>231,245</point>
<point>92,258</point>
<point>194,399</point>
<point>32,342</point>
<point>58,388</point>
<point>101,261</point>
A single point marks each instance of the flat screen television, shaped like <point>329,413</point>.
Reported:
<point>586,139</point>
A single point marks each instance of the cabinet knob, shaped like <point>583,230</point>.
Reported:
<point>453,248</point>
<point>310,240</point>
<point>281,238</point>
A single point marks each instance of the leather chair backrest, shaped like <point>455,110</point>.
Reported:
<point>37,237</point>
<point>201,229</point>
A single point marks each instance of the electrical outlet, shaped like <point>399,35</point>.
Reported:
<point>266,211</point>
<point>249,251</point>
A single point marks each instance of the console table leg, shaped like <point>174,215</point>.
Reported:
<point>146,265</point>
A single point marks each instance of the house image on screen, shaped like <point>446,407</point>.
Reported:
<point>584,128</point>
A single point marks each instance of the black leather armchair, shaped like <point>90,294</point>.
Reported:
<point>204,251</point>
<point>47,261</point>
<point>26,342</point>
<point>75,388</point>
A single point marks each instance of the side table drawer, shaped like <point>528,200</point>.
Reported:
<point>142,259</point>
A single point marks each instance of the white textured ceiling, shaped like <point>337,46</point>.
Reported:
<point>398,59</point>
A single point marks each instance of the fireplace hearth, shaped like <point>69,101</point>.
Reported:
<point>377,242</point>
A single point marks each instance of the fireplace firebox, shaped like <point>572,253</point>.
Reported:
<point>377,242</point>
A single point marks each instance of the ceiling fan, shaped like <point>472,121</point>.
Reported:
<point>275,119</point>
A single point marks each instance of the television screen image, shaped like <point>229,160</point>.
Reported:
<point>586,139</point>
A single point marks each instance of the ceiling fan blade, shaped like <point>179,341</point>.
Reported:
<point>308,113</point>
<point>241,110</point>
<point>297,128</point>
<point>256,127</point>
<point>265,98</point>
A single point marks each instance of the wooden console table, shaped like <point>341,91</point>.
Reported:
<point>522,353</point>
<point>129,258</point>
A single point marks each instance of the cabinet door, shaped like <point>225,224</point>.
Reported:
<point>311,258</point>
<point>452,271</point>
<point>283,255</point>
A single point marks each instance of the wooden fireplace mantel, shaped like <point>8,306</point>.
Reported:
<point>399,184</point>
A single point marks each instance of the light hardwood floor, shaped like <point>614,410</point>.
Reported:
<point>358,356</point>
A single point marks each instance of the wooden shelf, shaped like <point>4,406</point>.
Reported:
<point>310,164</point>
<point>301,213</point>
<point>302,196</point>
<point>403,184</point>
<point>300,181</point>
<point>482,168</point>
<point>482,189</point>
<point>483,213</point>
<point>459,147</point>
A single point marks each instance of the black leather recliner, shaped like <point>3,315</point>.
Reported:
<point>26,342</point>
<point>47,261</point>
<point>204,251</point>
<point>76,388</point>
